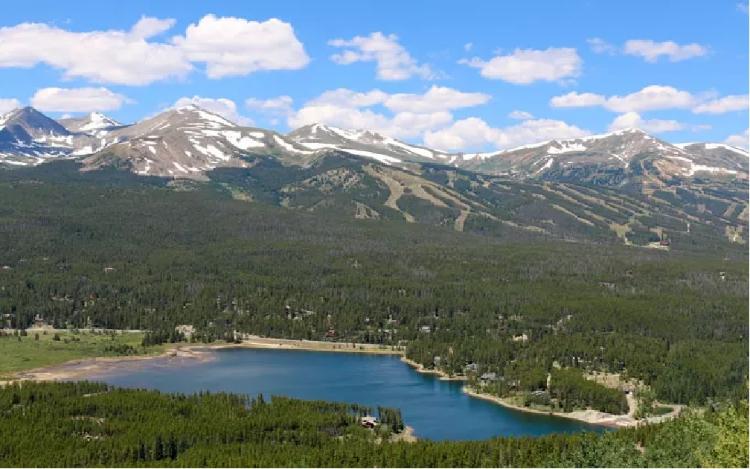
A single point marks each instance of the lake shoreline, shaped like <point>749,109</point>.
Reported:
<point>184,353</point>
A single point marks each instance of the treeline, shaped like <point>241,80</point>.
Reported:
<point>88,424</point>
<point>572,390</point>
<point>124,252</point>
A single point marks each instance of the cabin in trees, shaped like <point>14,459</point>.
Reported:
<point>487,378</point>
<point>39,322</point>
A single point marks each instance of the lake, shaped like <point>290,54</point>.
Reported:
<point>436,409</point>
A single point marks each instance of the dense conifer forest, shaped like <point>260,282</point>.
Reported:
<point>88,424</point>
<point>112,250</point>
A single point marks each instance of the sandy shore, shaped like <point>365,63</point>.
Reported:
<point>590,416</point>
<point>87,367</point>
<point>183,353</point>
<point>310,345</point>
<point>419,368</point>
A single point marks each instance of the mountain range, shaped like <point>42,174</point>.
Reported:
<point>625,186</point>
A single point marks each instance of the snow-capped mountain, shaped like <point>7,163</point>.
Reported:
<point>29,137</point>
<point>364,143</point>
<point>92,123</point>
<point>187,142</point>
<point>616,156</point>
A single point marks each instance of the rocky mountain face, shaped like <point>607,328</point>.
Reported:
<point>188,142</point>
<point>621,158</point>
<point>364,143</point>
<point>626,186</point>
<point>29,137</point>
<point>91,123</point>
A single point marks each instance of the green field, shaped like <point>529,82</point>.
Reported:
<point>37,349</point>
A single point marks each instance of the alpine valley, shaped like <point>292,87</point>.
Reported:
<point>624,187</point>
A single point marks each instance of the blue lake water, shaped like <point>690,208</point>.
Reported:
<point>436,409</point>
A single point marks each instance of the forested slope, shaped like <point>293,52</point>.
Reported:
<point>113,250</point>
<point>86,424</point>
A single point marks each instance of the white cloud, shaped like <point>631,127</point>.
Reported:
<point>739,140</point>
<point>468,46</point>
<point>228,46</point>
<point>520,115</point>
<point>8,104</point>
<point>652,98</point>
<point>722,105</point>
<point>600,46</point>
<point>122,57</point>
<point>651,51</point>
<point>280,105</point>
<point>221,106</point>
<point>634,120</point>
<point>232,46</point>
<point>400,125</point>
<point>649,98</point>
<point>526,66</point>
<point>437,98</point>
<point>344,97</point>
<point>393,61</point>
<point>77,100</point>
<point>474,132</point>
<point>401,115</point>
<point>148,27</point>
<point>574,99</point>
<point>742,7</point>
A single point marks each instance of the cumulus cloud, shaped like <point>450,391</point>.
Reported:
<point>652,98</point>
<point>436,98</point>
<point>474,132</point>
<point>649,98</point>
<point>280,105</point>
<point>8,104</point>
<point>400,125</point>
<point>77,100</point>
<point>574,99</point>
<point>232,46</point>
<point>400,115</point>
<point>393,61</point>
<point>122,57</point>
<point>520,115</point>
<point>652,51</point>
<point>148,27</point>
<point>722,105</point>
<point>344,97</point>
<point>634,120</point>
<point>739,140</point>
<point>526,66</point>
<point>600,46</point>
<point>222,106</point>
<point>228,46</point>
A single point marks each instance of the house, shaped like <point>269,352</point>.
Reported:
<point>186,330</point>
<point>109,269</point>
<point>368,421</point>
<point>471,368</point>
<point>331,333</point>
<point>489,377</point>
<point>39,321</point>
<point>425,329</point>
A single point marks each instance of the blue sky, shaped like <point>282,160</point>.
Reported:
<point>455,75</point>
